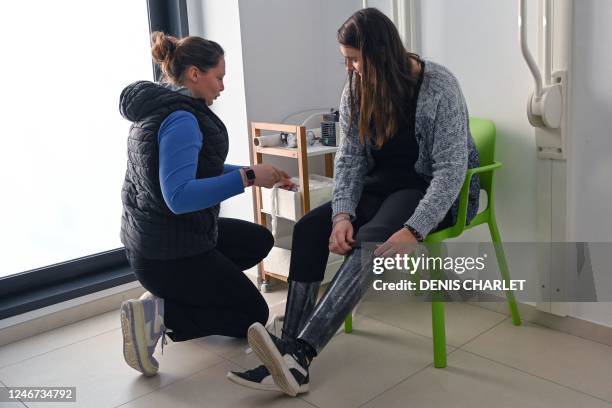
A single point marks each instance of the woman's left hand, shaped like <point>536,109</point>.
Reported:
<point>400,242</point>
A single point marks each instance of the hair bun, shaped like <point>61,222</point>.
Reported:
<point>163,46</point>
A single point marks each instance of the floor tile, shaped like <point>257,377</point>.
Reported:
<point>97,369</point>
<point>222,345</point>
<point>385,362</point>
<point>563,358</point>
<point>210,388</point>
<point>472,381</point>
<point>12,404</point>
<point>463,321</point>
<point>226,346</point>
<point>355,367</point>
<point>62,336</point>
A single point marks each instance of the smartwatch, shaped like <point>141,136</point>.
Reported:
<point>250,175</point>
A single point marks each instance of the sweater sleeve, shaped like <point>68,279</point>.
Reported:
<point>180,142</point>
<point>449,153</point>
<point>350,166</point>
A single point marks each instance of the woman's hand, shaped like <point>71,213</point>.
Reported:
<point>401,242</point>
<point>267,176</point>
<point>341,238</point>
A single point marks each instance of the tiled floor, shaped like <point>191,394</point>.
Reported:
<point>385,362</point>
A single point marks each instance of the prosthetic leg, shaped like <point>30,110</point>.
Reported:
<point>346,289</point>
<point>288,361</point>
<point>301,300</point>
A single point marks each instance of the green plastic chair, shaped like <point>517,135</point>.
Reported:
<point>483,133</point>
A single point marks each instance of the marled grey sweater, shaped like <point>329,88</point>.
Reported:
<point>446,151</point>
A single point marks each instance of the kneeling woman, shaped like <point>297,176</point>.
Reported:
<point>398,174</point>
<point>190,260</point>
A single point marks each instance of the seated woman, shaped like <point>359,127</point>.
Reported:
<point>398,173</point>
<point>189,259</point>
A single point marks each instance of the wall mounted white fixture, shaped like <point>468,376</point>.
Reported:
<point>548,111</point>
<point>547,104</point>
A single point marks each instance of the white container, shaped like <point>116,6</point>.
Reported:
<point>279,259</point>
<point>290,202</point>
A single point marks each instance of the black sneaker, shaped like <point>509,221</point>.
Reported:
<point>285,360</point>
<point>258,378</point>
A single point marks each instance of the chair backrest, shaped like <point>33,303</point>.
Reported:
<point>483,133</point>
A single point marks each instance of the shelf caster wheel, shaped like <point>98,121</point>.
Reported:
<point>263,284</point>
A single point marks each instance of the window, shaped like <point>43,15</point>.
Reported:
<point>63,154</point>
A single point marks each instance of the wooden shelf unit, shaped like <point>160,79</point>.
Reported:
<point>301,154</point>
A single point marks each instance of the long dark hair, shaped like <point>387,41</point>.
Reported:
<point>387,82</point>
<point>174,55</point>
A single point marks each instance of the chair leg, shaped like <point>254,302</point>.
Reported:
<point>503,267</point>
<point>348,323</point>
<point>439,334</point>
<point>437,314</point>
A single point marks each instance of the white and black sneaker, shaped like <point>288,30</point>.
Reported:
<point>258,378</point>
<point>286,360</point>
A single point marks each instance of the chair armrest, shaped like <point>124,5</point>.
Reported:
<point>482,169</point>
<point>464,196</point>
<point>465,190</point>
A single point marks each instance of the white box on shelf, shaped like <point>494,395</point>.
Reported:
<point>290,202</point>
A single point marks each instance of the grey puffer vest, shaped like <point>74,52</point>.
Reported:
<point>149,229</point>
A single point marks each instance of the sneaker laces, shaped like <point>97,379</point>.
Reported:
<point>302,352</point>
<point>164,341</point>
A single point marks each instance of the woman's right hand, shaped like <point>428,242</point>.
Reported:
<point>341,238</point>
<point>267,175</point>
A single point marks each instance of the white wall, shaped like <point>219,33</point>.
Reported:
<point>477,40</point>
<point>220,21</point>
<point>591,141</point>
<point>291,56</point>
<point>292,60</point>
<point>592,106</point>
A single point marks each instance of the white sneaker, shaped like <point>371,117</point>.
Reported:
<point>142,325</point>
<point>274,326</point>
<point>146,295</point>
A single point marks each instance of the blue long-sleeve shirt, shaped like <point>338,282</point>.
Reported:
<point>180,141</point>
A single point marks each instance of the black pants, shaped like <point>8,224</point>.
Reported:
<point>378,217</point>
<point>208,293</point>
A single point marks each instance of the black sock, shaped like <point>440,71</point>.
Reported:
<point>307,349</point>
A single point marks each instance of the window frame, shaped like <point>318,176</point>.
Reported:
<point>26,291</point>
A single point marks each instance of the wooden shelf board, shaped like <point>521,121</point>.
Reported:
<point>275,276</point>
<point>317,150</point>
